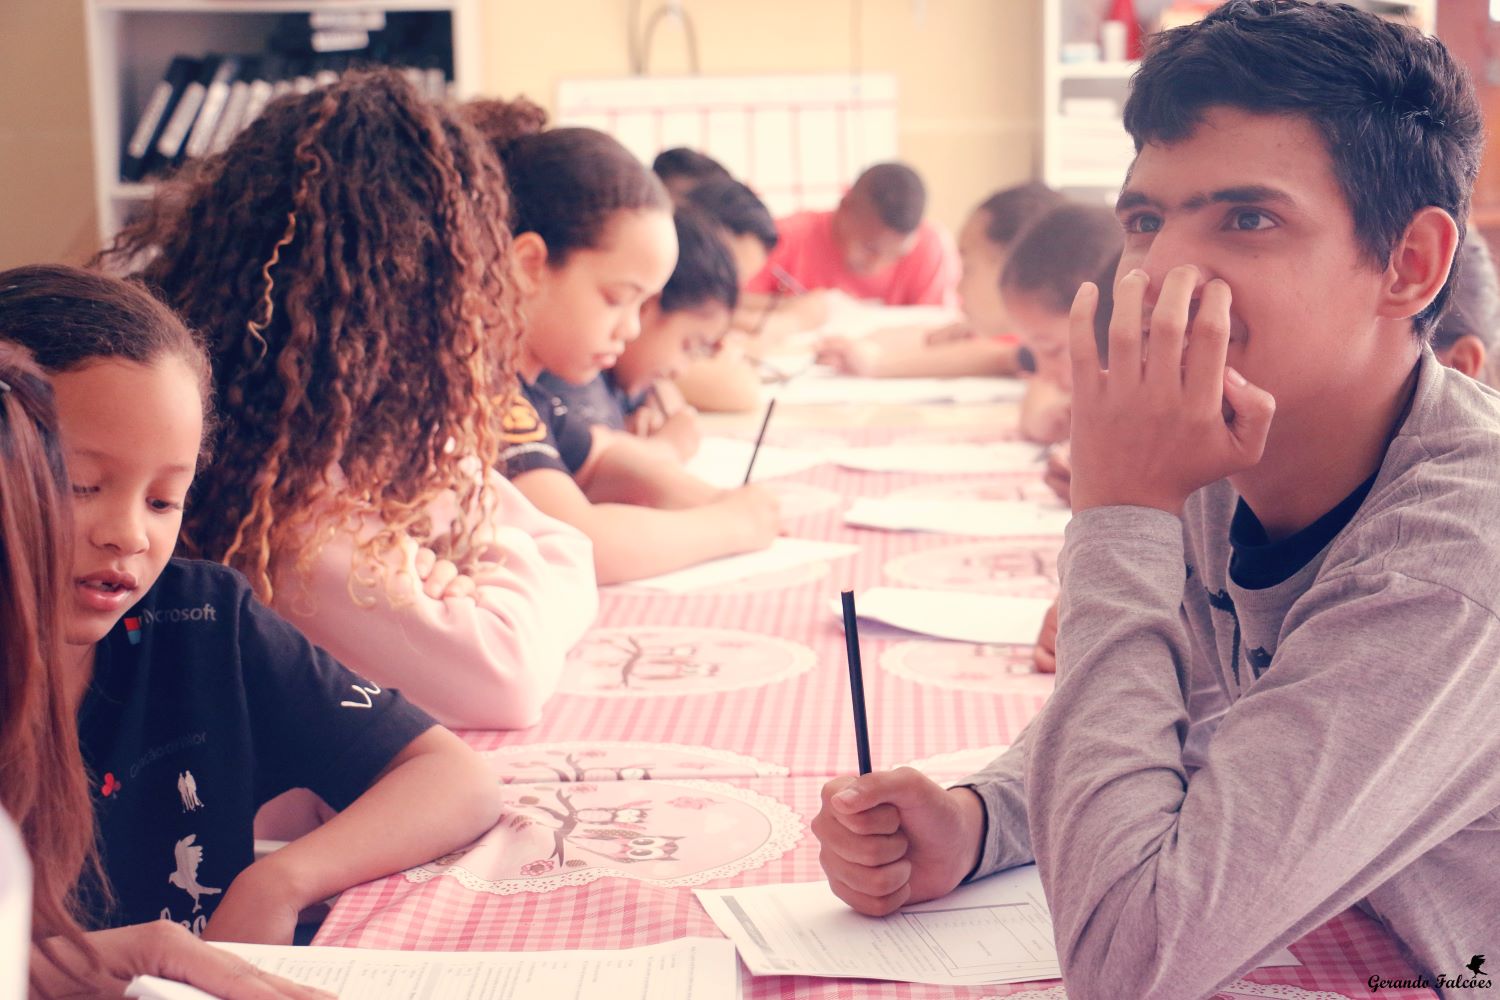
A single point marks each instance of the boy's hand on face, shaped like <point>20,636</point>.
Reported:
<point>1169,416</point>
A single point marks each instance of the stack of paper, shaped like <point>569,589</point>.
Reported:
<point>948,614</point>
<point>982,518</point>
<point>784,554</point>
<point>944,459</point>
<point>996,930</point>
<point>722,461</point>
<point>675,970</point>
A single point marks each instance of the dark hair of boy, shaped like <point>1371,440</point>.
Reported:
<point>1064,248</point>
<point>896,194</point>
<point>1474,307</point>
<point>736,208</point>
<point>68,317</point>
<point>567,183</point>
<point>1402,125</point>
<point>705,271</point>
<point>680,161</point>
<point>1015,208</point>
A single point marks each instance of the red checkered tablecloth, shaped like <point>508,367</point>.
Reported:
<point>693,733</point>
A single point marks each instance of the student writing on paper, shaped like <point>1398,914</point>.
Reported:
<point>681,169</point>
<point>1069,245</point>
<point>874,245</point>
<point>982,342</point>
<point>594,242</point>
<point>44,786</point>
<point>1277,538</point>
<point>729,381</point>
<point>684,321</point>
<point>346,262</point>
<point>195,703</point>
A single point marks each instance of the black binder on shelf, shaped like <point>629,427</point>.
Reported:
<point>174,137</point>
<point>215,97</point>
<point>233,117</point>
<point>139,151</point>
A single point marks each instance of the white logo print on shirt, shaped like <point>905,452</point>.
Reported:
<point>187,787</point>
<point>189,857</point>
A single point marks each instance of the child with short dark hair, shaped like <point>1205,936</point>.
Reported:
<point>982,342</point>
<point>1280,535</point>
<point>874,245</point>
<point>199,704</point>
<point>1063,249</point>
<point>1468,336</point>
<point>682,169</point>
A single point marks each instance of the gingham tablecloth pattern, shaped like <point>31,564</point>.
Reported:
<point>780,740</point>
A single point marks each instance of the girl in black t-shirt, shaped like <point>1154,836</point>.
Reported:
<point>198,703</point>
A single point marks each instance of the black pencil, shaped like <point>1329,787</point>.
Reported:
<point>759,438</point>
<point>856,683</point>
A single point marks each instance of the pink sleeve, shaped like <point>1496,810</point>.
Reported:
<point>935,270</point>
<point>485,662</point>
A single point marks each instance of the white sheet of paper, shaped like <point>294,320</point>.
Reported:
<point>958,459</point>
<point>1281,958</point>
<point>821,387</point>
<point>996,930</point>
<point>784,554</point>
<point>685,968</point>
<point>951,614</point>
<point>722,461</point>
<point>982,518</point>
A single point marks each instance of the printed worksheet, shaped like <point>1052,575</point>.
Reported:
<point>784,554</point>
<point>944,459</point>
<point>948,614</point>
<point>674,970</point>
<point>996,930</point>
<point>980,518</point>
<point>722,461</point>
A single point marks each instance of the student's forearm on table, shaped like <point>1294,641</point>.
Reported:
<point>1165,886</point>
<point>436,795</point>
<point>630,470</point>
<point>978,356</point>
<point>631,542</point>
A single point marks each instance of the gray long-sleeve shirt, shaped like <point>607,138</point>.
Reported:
<point>1355,748</point>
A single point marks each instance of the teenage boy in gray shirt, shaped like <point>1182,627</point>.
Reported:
<point>1279,656</point>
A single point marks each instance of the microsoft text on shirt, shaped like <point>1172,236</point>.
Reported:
<point>162,616</point>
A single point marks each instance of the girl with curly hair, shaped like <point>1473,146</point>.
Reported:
<point>594,242</point>
<point>346,261</point>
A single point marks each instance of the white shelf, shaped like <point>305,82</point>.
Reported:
<point>1097,70</point>
<point>131,43</point>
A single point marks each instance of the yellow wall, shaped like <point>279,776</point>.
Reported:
<point>969,74</point>
<point>969,71</point>
<point>46,158</point>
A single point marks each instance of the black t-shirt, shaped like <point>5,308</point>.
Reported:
<point>205,705</point>
<point>1256,562</point>
<point>542,431</point>
<point>600,401</point>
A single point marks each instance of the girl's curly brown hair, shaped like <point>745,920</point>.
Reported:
<point>345,261</point>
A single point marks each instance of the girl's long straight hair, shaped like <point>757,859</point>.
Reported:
<point>43,783</point>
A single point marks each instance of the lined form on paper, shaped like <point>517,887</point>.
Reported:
<point>996,930</point>
<point>674,970</point>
